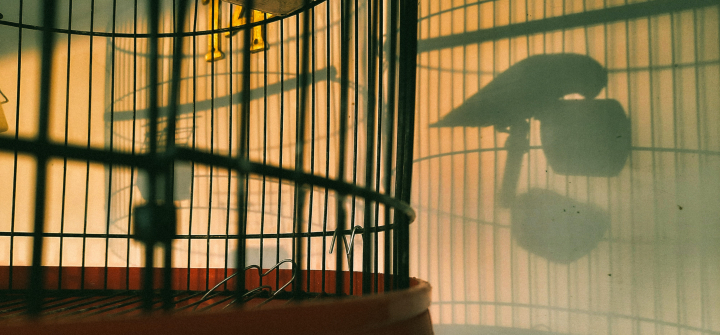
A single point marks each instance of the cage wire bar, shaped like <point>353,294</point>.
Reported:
<point>140,72</point>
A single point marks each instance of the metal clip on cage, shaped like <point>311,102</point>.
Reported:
<point>259,152</point>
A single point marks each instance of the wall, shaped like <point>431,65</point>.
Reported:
<point>645,257</point>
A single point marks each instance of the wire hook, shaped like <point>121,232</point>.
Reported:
<point>256,291</point>
<point>352,240</point>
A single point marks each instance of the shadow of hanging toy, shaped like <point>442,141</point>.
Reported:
<point>579,137</point>
<point>556,227</point>
<point>586,137</point>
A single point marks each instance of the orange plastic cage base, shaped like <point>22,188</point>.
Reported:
<point>193,279</point>
<point>394,312</point>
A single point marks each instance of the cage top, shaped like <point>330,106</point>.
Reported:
<point>112,11</point>
<point>277,7</point>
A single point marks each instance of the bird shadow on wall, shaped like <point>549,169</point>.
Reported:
<point>586,137</point>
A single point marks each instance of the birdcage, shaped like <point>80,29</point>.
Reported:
<point>218,166</point>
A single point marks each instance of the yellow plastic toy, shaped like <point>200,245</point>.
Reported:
<point>3,122</point>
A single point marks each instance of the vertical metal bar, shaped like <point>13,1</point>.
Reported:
<point>15,153</point>
<point>231,51</point>
<point>342,152</point>
<point>112,142</point>
<point>213,5</point>
<point>328,28</point>
<point>89,132</point>
<point>378,35</point>
<point>243,153</point>
<point>406,130</point>
<point>178,21</point>
<point>67,119</point>
<point>174,99</point>
<point>296,214</point>
<point>368,238</point>
<point>153,26</point>
<point>194,141</point>
<point>300,101</point>
<point>134,122</point>
<point>398,156</point>
<point>300,195</point>
<point>265,151</point>
<point>356,118</point>
<point>282,131</point>
<point>36,294</point>
<point>389,150</point>
<point>312,147</point>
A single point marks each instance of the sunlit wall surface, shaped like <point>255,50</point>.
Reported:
<point>646,260</point>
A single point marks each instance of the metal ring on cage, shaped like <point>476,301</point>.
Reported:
<point>146,161</point>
